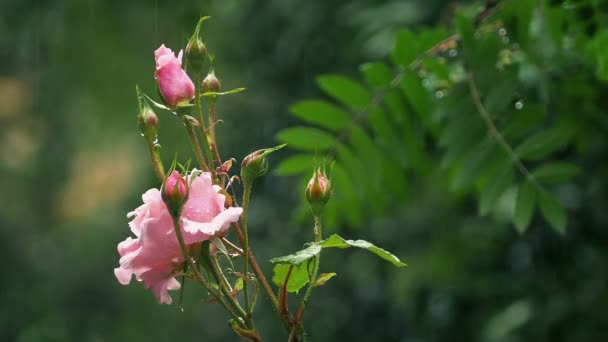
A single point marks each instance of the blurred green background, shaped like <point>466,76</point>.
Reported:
<point>72,164</point>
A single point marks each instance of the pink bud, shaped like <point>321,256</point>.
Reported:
<point>171,191</point>
<point>211,83</point>
<point>173,82</point>
<point>318,192</point>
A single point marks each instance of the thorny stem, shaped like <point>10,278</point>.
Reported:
<point>495,133</point>
<point>197,275</point>
<point>212,123</point>
<point>231,245</point>
<point>156,163</point>
<point>246,196</point>
<point>198,153</point>
<point>199,112</point>
<point>315,270</point>
<point>226,290</point>
<point>259,274</point>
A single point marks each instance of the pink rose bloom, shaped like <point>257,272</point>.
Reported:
<point>154,254</point>
<point>173,82</point>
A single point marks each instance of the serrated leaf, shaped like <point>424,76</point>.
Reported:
<point>376,74</point>
<point>344,90</point>
<point>524,206</point>
<point>472,163</point>
<point>346,195</point>
<point>214,94</point>
<point>307,138</point>
<point>496,187</point>
<point>543,143</point>
<point>420,99</point>
<point>553,212</point>
<point>322,279</point>
<point>321,113</point>
<point>405,49</point>
<point>297,279</point>
<point>296,164</point>
<point>499,96</point>
<point>522,121</point>
<point>299,256</point>
<point>336,241</point>
<point>556,172</point>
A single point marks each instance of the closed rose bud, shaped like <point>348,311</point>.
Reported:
<point>148,123</point>
<point>175,191</point>
<point>173,83</point>
<point>196,53</point>
<point>211,83</point>
<point>256,164</point>
<point>318,192</point>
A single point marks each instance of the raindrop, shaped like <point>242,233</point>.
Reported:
<point>502,32</point>
<point>519,104</point>
<point>438,94</point>
<point>453,53</point>
<point>505,40</point>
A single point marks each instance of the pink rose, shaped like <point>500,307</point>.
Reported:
<point>154,254</point>
<point>173,82</point>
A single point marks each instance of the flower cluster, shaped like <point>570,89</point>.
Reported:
<point>154,255</point>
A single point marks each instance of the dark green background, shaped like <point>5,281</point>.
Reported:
<point>72,164</point>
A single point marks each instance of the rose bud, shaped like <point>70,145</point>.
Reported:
<point>318,192</point>
<point>211,83</point>
<point>175,192</point>
<point>196,53</point>
<point>173,83</point>
<point>148,123</point>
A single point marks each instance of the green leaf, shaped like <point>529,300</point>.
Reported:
<point>297,279</point>
<point>472,164</point>
<point>322,279</point>
<point>420,99</point>
<point>405,49</point>
<point>553,212</point>
<point>524,206</point>
<point>376,74</point>
<point>543,143</point>
<point>522,121</point>
<point>214,94</point>
<point>296,164</point>
<point>467,32</point>
<point>496,187</point>
<point>321,113</point>
<point>556,172</point>
<point>307,138</point>
<point>335,241</point>
<point>344,90</point>
<point>499,96</point>
<point>346,195</point>
<point>299,256</point>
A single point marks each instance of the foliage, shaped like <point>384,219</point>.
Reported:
<point>480,103</point>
